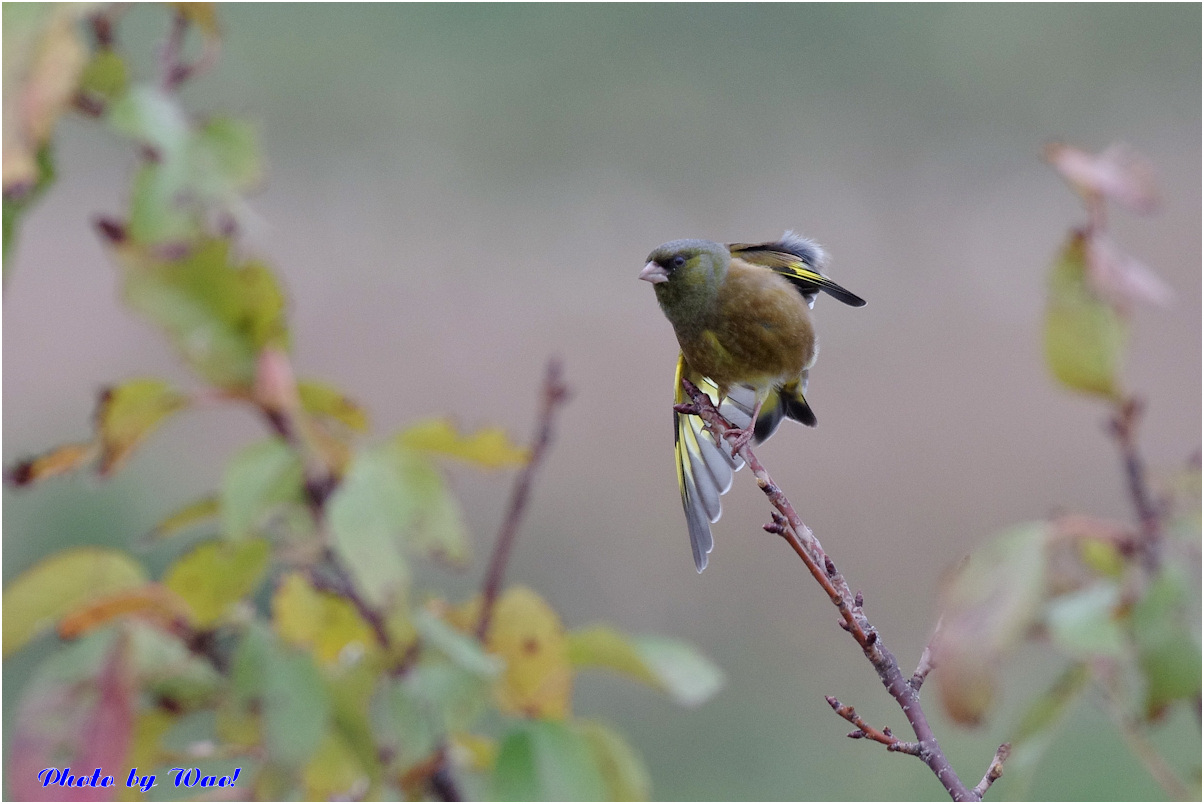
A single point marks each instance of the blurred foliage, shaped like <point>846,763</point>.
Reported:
<point>294,642</point>
<point>1119,602</point>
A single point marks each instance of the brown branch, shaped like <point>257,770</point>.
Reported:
<point>789,526</point>
<point>1123,428</point>
<point>993,772</point>
<point>927,662</point>
<point>174,71</point>
<point>555,394</point>
<point>864,731</point>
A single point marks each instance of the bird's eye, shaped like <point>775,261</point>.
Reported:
<point>678,261</point>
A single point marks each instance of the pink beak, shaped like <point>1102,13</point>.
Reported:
<point>654,273</point>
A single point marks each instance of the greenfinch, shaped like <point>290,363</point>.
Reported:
<point>742,316</point>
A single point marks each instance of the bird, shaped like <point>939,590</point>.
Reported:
<point>742,316</point>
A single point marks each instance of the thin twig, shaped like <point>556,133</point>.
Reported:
<point>172,68</point>
<point>865,731</point>
<point>790,527</point>
<point>927,662</point>
<point>555,393</point>
<point>1123,428</point>
<point>993,772</point>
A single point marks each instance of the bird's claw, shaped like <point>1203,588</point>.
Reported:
<point>738,438</point>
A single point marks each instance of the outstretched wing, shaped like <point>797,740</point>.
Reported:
<point>704,469</point>
<point>801,261</point>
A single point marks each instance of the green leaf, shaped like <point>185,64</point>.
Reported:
<point>168,670</point>
<point>153,117</point>
<point>392,499</point>
<point>1085,623</point>
<point>334,773</point>
<point>321,399</point>
<point>106,76</point>
<point>987,607</point>
<point>189,515</point>
<point>489,447</point>
<point>623,770</point>
<point>1084,335</point>
<point>1038,725</point>
<point>290,692</point>
<point>159,208</point>
<point>464,651</point>
<point>1168,648</point>
<point>366,513</point>
<point>547,761</point>
<point>129,413</point>
<point>225,157</point>
<point>217,574</point>
<point>16,205</point>
<point>668,665</point>
<point>403,722</point>
<point>260,478</point>
<point>60,584</point>
<point>219,312</point>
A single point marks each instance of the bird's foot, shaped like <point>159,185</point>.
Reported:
<point>738,438</point>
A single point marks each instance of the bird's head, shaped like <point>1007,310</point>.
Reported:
<point>686,274</point>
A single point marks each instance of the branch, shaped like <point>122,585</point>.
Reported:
<point>787,524</point>
<point>555,394</point>
<point>993,772</point>
<point>1123,428</point>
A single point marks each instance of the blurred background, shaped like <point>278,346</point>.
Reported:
<point>457,193</point>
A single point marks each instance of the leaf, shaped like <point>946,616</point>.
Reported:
<point>261,477</point>
<point>322,622</point>
<point>218,311</point>
<point>623,771</point>
<point>987,606</point>
<point>61,584</point>
<point>1118,173</point>
<point>1168,647</point>
<point>128,414</point>
<point>151,602</point>
<point>334,773</point>
<point>292,697</point>
<point>1041,718</point>
<point>225,157</point>
<point>105,77</point>
<point>16,205</point>
<point>217,574</point>
<point>43,59</point>
<point>58,461</point>
<point>392,499</point>
<point>78,711</point>
<point>547,761</point>
<point>463,650</point>
<point>191,514</point>
<point>1084,336</point>
<point>321,399</point>
<point>365,515</point>
<point>527,634</point>
<point>668,665</point>
<point>403,722</point>
<point>488,447</point>
<point>1084,623</point>
<point>154,118</point>
<point>168,671</point>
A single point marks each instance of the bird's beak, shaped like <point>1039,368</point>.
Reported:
<point>654,273</point>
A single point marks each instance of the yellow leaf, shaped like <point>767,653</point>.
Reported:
<point>334,773</point>
<point>191,514</point>
<point>60,584</point>
<point>146,750</point>
<point>623,771</point>
<point>474,751</point>
<point>323,622</point>
<point>528,635</point>
<point>321,399</point>
<point>128,414</point>
<point>217,574</point>
<point>603,646</point>
<point>488,447</point>
<point>237,725</point>
<point>58,461</point>
<point>150,602</point>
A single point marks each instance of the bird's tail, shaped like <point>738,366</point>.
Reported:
<point>784,402</point>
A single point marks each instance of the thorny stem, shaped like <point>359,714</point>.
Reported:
<point>790,527</point>
<point>555,394</point>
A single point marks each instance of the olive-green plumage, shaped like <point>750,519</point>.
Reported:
<point>742,316</point>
